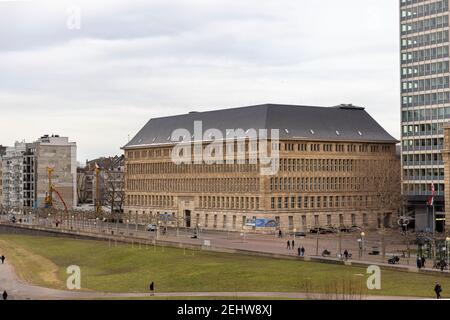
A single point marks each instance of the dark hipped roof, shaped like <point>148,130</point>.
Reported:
<point>341,123</point>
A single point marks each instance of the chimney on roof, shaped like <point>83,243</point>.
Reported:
<point>349,106</point>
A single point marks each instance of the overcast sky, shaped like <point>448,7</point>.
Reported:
<point>134,60</point>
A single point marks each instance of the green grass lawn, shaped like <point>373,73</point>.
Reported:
<point>43,261</point>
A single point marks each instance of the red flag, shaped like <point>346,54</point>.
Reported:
<point>433,194</point>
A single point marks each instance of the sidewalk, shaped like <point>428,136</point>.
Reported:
<point>265,245</point>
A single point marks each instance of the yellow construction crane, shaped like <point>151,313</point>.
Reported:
<point>51,189</point>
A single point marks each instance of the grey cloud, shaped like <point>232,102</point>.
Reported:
<point>133,60</point>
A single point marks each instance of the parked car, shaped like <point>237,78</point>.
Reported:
<point>394,260</point>
<point>320,230</point>
<point>298,234</point>
<point>151,227</point>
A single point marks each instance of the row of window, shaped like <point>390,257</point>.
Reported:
<point>312,184</point>
<point>425,25</point>
<point>426,84</point>
<point>318,202</point>
<point>422,188</point>
<point>194,185</point>
<point>172,168</point>
<point>433,173</point>
<point>167,152</point>
<point>437,143</point>
<point>426,114</point>
<point>325,165</point>
<point>425,39</point>
<point>424,10</point>
<point>412,159</point>
<point>404,3</point>
<point>245,203</point>
<point>425,69</point>
<point>150,201</point>
<point>422,129</point>
<point>426,99</point>
<point>331,147</point>
<point>425,54</point>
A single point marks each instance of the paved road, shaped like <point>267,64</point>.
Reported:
<point>20,290</point>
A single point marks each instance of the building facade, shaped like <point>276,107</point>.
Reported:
<point>335,167</point>
<point>25,179</point>
<point>111,183</point>
<point>425,105</point>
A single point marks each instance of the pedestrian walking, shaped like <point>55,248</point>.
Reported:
<point>302,251</point>
<point>152,288</point>
<point>299,250</point>
<point>3,259</point>
<point>288,245</point>
<point>346,254</point>
<point>293,244</point>
<point>280,234</point>
<point>438,290</point>
<point>423,262</point>
<point>5,295</point>
<point>419,262</point>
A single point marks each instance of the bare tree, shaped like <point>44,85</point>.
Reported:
<point>82,192</point>
<point>383,180</point>
<point>114,189</point>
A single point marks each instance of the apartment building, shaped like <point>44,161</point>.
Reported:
<point>25,179</point>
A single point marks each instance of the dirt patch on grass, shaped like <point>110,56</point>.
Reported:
<point>31,267</point>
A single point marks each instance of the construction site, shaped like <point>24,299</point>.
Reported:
<point>36,175</point>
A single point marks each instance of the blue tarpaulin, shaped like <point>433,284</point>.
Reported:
<point>265,223</point>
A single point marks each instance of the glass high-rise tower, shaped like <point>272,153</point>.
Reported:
<point>425,104</point>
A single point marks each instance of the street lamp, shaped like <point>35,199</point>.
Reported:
<point>361,244</point>
<point>157,230</point>
<point>447,244</point>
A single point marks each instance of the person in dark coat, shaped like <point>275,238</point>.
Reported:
<point>419,262</point>
<point>3,259</point>
<point>280,234</point>
<point>288,245</point>
<point>442,264</point>
<point>299,252</point>
<point>423,262</point>
<point>438,290</point>
<point>346,254</point>
<point>293,244</point>
<point>5,295</point>
<point>152,288</point>
<point>302,251</point>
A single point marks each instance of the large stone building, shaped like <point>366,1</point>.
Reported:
<point>24,173</point>
<point>425,106</point>
<point>336,167</point>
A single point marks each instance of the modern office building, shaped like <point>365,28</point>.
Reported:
<point>425,105</point>
<point>24,173</point>
<point>334,166</point>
